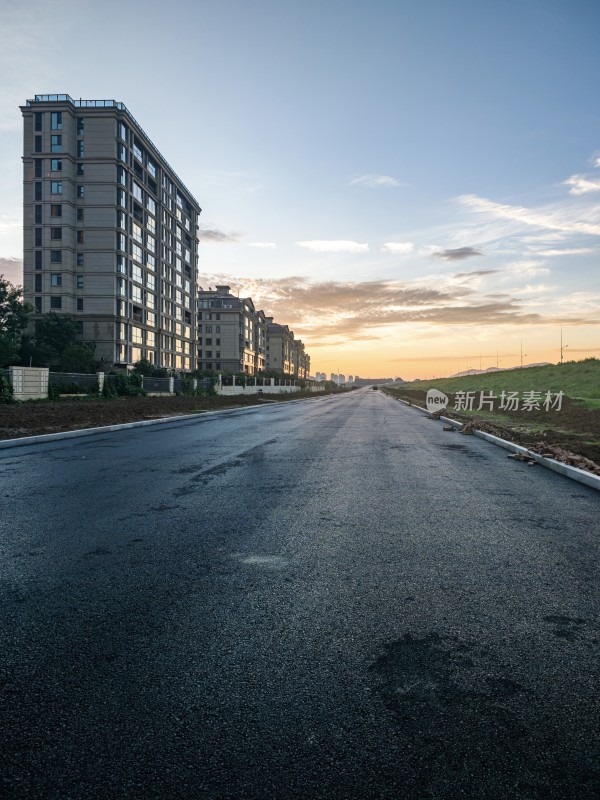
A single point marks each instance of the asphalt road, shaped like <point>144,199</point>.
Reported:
<point>323,599</point>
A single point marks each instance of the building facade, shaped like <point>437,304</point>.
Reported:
<point>280,340</point>
<point>110,233</point>
<point>231,333</point>
<point>300,360</point>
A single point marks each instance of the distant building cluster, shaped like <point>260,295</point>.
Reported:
<point>234,336</point>
<point>111,239</point>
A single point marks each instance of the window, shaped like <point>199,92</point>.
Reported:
<point>137,233</point>
<point>80,259</point>
<point>80,192</point>
<point>56,144</point>
<point>56,187</point>
<point>217,329</point>
<point>38,283</point>
<point>37,144</point>
<point>121,242</point>
<point>137,253</point>
<point>38,305</point>
<point>38,237</point>
<point>80,149</point>
<point>37,167</point>
<point>122,265</point>
<point>80,169</point>
<point>151,169</point>
<point>151,243</point>
<point>122,176</point>
<point>138,152</point>
<point>37,190</point>
<point>56,165</point>
<point>80,239</point>
<point>138,192</point>
<point>137,335</point>
<point>151,224</point>
<point>122,131</point>
<point>80,216</point>
<point>38,259</point>
<point>56,302</point>
<point>38,120</point>
<point>136,294</point>
<point>150,318</point>
<point>56,123</point>
<point>80,126</point>
<point>56,210</point>
<point>56,233</point>
<point>56,256</point>
<point>38,215</point>
<point>122,197</point>
<point>80,304</point>
<point>137,274</point>
<point>56,279</point>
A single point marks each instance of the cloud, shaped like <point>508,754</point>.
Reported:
<point>458,253</point>
<point>397,248</point>
<point>574,251</point>
<point>216,236</point>
<point>266,245</point>
<point>581,185</point>
<point>557,218</point>
<point>335,311</point>
<point>476,273</point>
<point>12,269</point>
<point>375,181</point>
<point>334,246</point>
<point>526,268</point>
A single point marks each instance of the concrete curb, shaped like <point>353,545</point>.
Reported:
<point>53,437</point>
<point>574,473</point>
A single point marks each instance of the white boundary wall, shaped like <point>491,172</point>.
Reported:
<point>29,383</point>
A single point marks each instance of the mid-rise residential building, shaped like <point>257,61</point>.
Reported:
<point>280,341</point>
<point>231,332</point>
<point>300,360</point>
<point>110,232</point>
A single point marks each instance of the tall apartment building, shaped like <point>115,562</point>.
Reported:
<point>231,332</point>
<point>280,341</point>
<point>110,232</point>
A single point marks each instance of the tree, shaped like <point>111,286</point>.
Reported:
<point>77,358</point>
<point>14,318</point>
<point>53,335</point>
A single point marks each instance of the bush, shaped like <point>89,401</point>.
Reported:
<point>123,385</point>
<point>6,392</point>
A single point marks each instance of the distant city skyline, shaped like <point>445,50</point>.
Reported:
<point>410,187</point>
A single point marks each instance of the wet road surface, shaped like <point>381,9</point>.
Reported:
<point>323,599</point>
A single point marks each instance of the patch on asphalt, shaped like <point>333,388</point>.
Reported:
<point>453,703</point>
<point>271,562</point>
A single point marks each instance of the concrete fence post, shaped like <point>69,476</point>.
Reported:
<point>100,377</point>
<point>171,385</point>
<point>195,384</point>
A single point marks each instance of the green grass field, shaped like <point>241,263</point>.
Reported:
<point>577,379</point>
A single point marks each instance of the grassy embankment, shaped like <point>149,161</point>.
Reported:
<point>577,423</point>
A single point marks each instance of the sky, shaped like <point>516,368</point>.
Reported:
<point>413,187</point>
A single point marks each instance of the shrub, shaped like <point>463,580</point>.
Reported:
<point>6,392</point>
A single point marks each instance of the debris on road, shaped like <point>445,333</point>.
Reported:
<point>566,457</point>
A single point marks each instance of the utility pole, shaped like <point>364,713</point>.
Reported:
<point>562,347</point>
<point>522,354</point>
